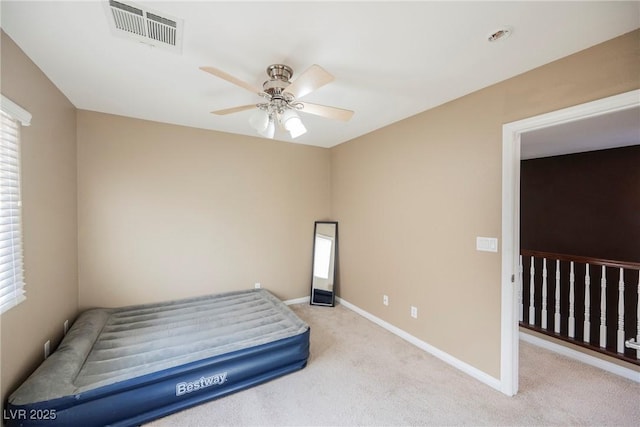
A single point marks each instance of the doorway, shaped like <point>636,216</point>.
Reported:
<point>511,156</point>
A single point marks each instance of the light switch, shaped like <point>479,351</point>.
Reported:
<point>487,244</point>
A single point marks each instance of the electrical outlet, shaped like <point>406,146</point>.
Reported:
<point>385,300</point>
<point>66,326</point>
<point>414,312</point>
<point>257,285</point>
<point>47,349</point>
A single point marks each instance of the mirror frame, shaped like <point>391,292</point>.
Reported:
<point>335,264</point>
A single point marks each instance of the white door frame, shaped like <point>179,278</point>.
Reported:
<point>511,133</point>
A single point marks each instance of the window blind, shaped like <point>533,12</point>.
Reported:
<point>11,266</point>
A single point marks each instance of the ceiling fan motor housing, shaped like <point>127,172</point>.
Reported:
<point>280,72</point>
<point>280,75</point>
<point>274,87</point>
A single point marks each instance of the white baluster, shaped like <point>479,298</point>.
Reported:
<point>603,308</point>
<point>572,318</point>
<point>587,306</point>
<point>638,318</point>
<point>543,314</point>
<point>556,322</point>
<point>620,341</point>
<point>532,309</point>
<point>520,288</point>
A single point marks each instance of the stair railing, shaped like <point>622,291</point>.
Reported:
<point>559,296</point>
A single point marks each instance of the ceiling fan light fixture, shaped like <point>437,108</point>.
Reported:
<point>259,120</point>
<point>292,123</point>
<point>298,130</point>
<point>270,130</point>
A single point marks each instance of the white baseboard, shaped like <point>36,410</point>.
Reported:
<point>445,357</point>
<point>474,372</point>
<point>297,301</point>
<point>581,357</point>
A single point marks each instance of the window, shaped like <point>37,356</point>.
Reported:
<point>12,117</point>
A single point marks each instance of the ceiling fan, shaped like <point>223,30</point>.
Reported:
<point>281,99</point>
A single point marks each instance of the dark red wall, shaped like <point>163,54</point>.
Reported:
<point>584,204</point>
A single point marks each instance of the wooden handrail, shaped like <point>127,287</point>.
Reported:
<point>582,259</point>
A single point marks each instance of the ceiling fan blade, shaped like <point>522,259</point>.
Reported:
<point>328,112</point>
<point>233,110</point>
<point>311,79</point>
<point>228,77</point>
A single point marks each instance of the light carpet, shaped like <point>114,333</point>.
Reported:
<point>359,374</point>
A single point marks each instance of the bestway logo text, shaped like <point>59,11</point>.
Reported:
<point>199,384</point>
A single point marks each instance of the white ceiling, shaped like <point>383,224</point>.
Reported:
<point>611,130</point>
<point>391,60</point>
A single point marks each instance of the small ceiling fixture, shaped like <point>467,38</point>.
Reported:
<point>281,95</point>
<point>500,34</point>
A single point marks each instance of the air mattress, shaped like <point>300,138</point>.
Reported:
<point>125,366</point>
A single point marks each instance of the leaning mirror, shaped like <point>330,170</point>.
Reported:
<point>325,249</point>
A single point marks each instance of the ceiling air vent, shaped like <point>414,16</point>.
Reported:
<point>145,25</point>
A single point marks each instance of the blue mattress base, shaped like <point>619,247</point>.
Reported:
<point>152,396</point>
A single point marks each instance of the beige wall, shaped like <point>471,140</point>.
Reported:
<point>49,218</point>
<point>412,197</point>
<point>167,212</point>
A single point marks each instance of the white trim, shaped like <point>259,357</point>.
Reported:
<point>581,357</point>
<point>510,243</point>
<point>511,216</point>
<point>15,111</point>
<point>599,107</point>
<point>302,300</point>
<point>445,357</point>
